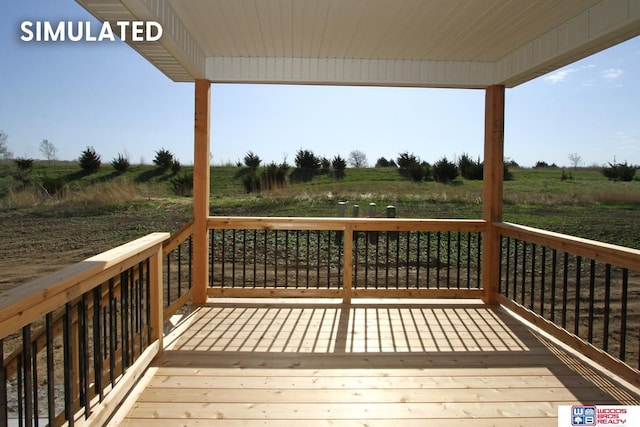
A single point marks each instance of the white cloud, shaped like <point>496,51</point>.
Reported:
<point>612,73</point>
<point>560,76</point>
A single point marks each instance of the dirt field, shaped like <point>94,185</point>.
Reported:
<point>34,245</point>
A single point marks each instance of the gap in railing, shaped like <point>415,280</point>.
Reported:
<point>594,300</point>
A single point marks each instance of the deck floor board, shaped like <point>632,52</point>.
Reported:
<point>375,363</point>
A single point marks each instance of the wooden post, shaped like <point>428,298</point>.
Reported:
<point>492,189</point>
<point>201,172</point>
<point>347,273</point>
<point>155,298</point>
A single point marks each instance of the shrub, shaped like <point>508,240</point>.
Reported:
<point>619,172</point>
<point>164,159</point>
<point>384,163</point>
<point>183,184</point>
<point>444,171</point>
<point>469,168</point>
<point>252,161</point>
<point>566,176</point>
<point>251,182</point>
<point>307,161</point>
<point>121,163</point>
<point>339,165</point>
<point>307,165</point>
<point>90,161</point>
<point>325,165</point>
<point>23,164</point>
<point>53,186</point>
<point>175,166</point>
<point>274,176</point>
<point>541,165</point>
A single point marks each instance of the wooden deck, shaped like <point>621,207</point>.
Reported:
<point>375,363</point>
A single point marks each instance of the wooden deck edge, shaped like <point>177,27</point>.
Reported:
<point>103,412</point>
<point>597,356</point>
<point>139,384</point>
<point>274,293</point>
<point>338,293</point>
<point>417,293</point>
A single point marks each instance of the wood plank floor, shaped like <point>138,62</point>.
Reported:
<point>374,363</point>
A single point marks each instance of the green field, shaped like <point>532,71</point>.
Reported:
<point>586,205</point>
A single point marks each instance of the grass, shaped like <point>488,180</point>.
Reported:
<point>586,205</point>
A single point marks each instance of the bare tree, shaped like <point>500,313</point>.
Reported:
<point>575,160</point>
<point>49,150</point>
<point>358,159</point>
<point>5,153</point>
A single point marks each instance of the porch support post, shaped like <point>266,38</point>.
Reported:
<point>492,189</point>
<point>201,188</point>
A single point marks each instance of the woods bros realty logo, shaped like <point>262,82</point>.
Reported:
<point>598,415</point>
<point>46,31</point>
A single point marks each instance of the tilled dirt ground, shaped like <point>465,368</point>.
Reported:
<point>33,245</point>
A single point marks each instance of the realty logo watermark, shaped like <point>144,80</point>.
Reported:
<point>598,415</point>
<point>83,31</point>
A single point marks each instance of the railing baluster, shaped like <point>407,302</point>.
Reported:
<point>244,258</point>
<point>408,260</point>
<point>4,416</point>
<point>515,268</point>
<point>533,275</point>
<point>543,277</point>
<point>51,399</point>
<point>448,259</point>
<point>275,258</point>
<point>233,258</point>
<point>212,252</point>
<point>507,264</point>
<point>27,366</point>
<point>297,264</point>
<point>97,341</point>
<point>458,261</point>
<point>223,256</point>
<point>428,259</point>
<point>592,290</point>
<point>623,314</point>
<point>607,307</point>
<point>418,250</point>
<point>308,234</point>
<point>554,262</point>
<point>577,304</point>
<point>524,273</point>
<point>255,258</point>
<point>179,270</point>
<point>286,258</point>
<point>69,370</point>
<point>168,294</point>
<point>265,258</point>
<point>83,350</point>
<point>565,289</point>
<point>113,332</point>
<point>318,251</point>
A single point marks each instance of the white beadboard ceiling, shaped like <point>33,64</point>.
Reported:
<point>424,43</point>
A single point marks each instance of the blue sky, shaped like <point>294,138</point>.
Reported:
<point>107,96</point>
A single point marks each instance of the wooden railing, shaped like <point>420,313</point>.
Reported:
<point>72,342</point>
<point>582,291</point>
<point>344,257</point>
<point>178,270</point>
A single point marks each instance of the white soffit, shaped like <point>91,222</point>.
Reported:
<point>423,43</point>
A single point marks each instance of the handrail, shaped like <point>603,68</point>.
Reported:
<point>92,327</point>
<point>575,289</point>
<point>342,224</point>
<point>605,252</point>
<point>27,303</point>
